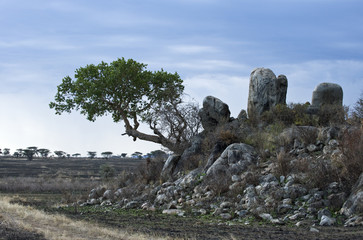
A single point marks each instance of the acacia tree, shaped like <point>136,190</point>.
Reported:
<point>6,151</point>
<point>60,154</point>
<point>44,152</point>
<point>130,93</point>
<point>107,154</point>
<point>30,152</point>
<point>91,154</point>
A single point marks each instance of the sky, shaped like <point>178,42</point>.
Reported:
<point>212,44</point>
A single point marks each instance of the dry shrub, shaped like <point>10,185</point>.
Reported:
<point>351,146</point>
<point>307,134</point>
<point>331,114</point>
<point>279,113</point>
<point>150,170</point>
<point>221,135</point>
<point>318,172</point>
<point>126,178</point>
<point>282,164</point>
<point>195,161</point>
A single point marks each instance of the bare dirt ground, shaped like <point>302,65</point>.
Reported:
<point>8,233</point>
<point>158,225</point>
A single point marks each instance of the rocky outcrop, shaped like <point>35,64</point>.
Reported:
<point>326,94</point>
<point>233,161</point>
<point>265,91</point>
<point>214,113</point>
<point>189,157</point>
<point>169,166</point>
<point>354,204</point>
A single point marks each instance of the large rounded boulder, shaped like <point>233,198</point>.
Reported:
<point>326,94</point>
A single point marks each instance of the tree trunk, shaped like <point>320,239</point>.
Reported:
<point>176,148</point>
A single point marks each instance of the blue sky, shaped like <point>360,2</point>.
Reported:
<point>214,45</point>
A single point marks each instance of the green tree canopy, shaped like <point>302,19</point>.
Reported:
<point>60,153</point>
<point>44,152</point>
<point>30,152</point>
<point>128,92</point>
<point>91,154</point>
<point>107,154</point>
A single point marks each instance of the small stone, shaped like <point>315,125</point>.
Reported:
<point>235,178</point>
<point>323,212</point>
<point>277,221</point>
<point>93,201</point>
<point>266,216</point>
<point>226,216</point>
<point>314,230</point>
<point>132,205</point>
<point>327,221</point>
<point>241,213</point>
<point>282,179</point>
<point>226,205</point>
<point>284,208</point>
<point>178,212</point>
<point>354,221</point>
<point>202,211</point>
<point>296,216</point>
<point>312,148</point>
<point>108,194</point>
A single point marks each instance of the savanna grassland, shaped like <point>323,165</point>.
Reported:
<point>36,202</point>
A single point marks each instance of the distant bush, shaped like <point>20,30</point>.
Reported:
<point>107,172</point>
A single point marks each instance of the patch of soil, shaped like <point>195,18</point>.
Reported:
<point>156,225</point>
<point>161,225</point>
<point>8,233</point>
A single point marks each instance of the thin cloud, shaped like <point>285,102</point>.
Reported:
<point>191,49</point>
<point>39,43</point>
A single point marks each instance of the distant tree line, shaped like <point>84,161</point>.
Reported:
<point>31,152</point>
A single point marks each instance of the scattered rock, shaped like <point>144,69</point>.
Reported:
<point>178,212</point>
<point>327,221</point>
<point>312,229</point>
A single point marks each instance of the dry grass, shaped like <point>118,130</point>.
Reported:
<point>282,164</point>
<point>352,155</point>
<point>46,184</point>
<point>57,227</point>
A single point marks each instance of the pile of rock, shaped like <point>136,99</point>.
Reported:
<point>235,183</point>
<point>252,193</point>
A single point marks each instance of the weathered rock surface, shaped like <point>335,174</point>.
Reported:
<point>214,113</point>
<point>169,166</point>
<point>354,204</point>
<point>234,160</point>
<point>265,91</point>
<point>188,159</point>
<point>326,94</point>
